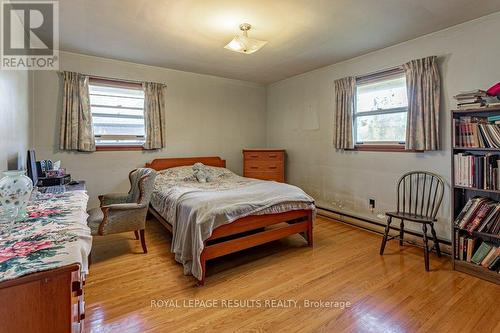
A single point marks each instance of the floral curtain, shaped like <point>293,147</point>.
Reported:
<point>154,114</point>
<point>345,92</point>
<point>76,131</point>
<point>423,88</point>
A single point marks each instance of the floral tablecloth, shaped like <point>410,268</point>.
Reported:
<point>54,234</point>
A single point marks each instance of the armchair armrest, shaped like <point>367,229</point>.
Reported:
<point>123,217</point>
<point>123,206</point>
<point>113,198</point>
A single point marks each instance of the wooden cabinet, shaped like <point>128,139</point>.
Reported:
<point>47,301</point>
<point>265,164</point>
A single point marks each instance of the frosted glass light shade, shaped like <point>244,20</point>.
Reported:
<point>243,44</point>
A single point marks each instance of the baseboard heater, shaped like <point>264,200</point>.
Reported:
<point>410,232</point>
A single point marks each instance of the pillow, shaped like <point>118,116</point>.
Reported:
<point>178,173</point>
<point>186,173</point>
<point>217,172</point>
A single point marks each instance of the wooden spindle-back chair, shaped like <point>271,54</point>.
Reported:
<point>419,196</point>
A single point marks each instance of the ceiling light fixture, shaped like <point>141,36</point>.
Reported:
<point>244,44</point>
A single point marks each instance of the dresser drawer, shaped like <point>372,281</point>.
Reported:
<point>263,175</point>
<point>264,155</point>
<point>268,166</point>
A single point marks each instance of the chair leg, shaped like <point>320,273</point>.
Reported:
<point>386,234</point>
<point>401,232</point>
<point>89,259</point>
<point>436,241</point>
<point>136,233</point>
<point>143,241</point>
<point>426,247</point>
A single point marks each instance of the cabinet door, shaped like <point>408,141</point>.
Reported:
<point>45,300</point>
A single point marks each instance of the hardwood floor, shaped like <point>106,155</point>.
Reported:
<point>390,293</point>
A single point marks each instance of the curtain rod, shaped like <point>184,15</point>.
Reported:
<point>115,79</point>
<point>112,78</point>
<point>378,72</point>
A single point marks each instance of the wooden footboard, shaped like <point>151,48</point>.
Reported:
<point>251,231</point>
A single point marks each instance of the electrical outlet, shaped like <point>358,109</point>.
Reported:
<point>371,203</point>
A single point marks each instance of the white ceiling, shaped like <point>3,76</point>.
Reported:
<point>303,34</point>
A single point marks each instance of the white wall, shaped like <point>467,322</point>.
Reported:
<point>468,57</point>
<point>206,116</point>
<point>14,119</point>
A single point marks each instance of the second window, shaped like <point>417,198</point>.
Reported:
<point>381,109</point>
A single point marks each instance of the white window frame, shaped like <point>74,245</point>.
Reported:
<point>140,139</point>
<point>371,78</point>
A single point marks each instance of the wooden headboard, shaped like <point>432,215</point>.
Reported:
<point>166,163</point>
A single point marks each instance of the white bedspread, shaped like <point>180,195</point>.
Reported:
<point>196,209</point>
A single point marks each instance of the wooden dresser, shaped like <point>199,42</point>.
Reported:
<point>265,164</point>
<point>42,286</point>
<point>46,301</point>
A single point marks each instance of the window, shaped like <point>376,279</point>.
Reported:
<point>117,113</point>
<point>381,110</point>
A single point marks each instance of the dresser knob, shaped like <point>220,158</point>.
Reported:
<point>75,286</point>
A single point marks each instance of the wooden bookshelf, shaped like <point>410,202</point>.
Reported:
<point>461,194</point>
<point>476,270</point>
<point>478,110</point>
<point>476,149</point>
<point>477,189</point>
<point>485,236</point>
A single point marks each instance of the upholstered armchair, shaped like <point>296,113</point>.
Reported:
<point>121,212</point>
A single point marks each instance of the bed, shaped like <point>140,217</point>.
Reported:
<point>228,214</point>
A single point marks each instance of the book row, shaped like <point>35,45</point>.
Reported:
<point>477,251</point>
<point>481,215</point>
<point>477,132</point>
<point>477,171</point>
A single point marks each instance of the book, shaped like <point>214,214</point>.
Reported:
<point>481,252</point>
<point>494,252</point>
<point>495,264</point>
<point>492,216</point>
<point>493,118</point>
<point>470,94</point>
<point>466,211</point>
<point>457,243</point>
<point>482,212</point>
<point>468,106</point>
<point>461,248</point>
<point>472,212</point>
<point>471,242</point>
